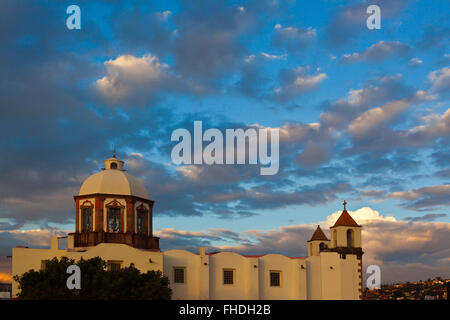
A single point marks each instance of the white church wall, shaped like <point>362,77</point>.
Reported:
<point>245,277</point>
<point>314,278</point>
<point>350,278</point>
<point>204,275</point>
<point>331,275</point>
<point>293,278</point>
<point>194,274</point>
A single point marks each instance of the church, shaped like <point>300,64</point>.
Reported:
<point>114,221</point>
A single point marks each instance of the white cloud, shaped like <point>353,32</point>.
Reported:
<point>435,125</point>
<point>264,56</point>
<point>425,197</point>
<point>191,172</point>
<point>128,76</point>
<point>362,216</point>
<point>295,132</point>
<point>293,38</point>
<point>414,62</point>
<point>297,81</point>
<point>273,57</point>
<point>377,52</point>
<point>422,96</point>
<point>440,80</point>
<point>165,14</point>
<point>37,237</point>
<point>310,81</point>
<point>376,116</point>
<point>250,58</point>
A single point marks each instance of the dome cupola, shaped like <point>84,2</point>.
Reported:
<point>113,180</point>
<point>113,164</point>
<point>114,207</point>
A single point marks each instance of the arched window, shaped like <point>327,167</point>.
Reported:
<point>141,222</point>
<point>349,238</point>
<point>86,216</point>
<point>114,219</point>
<point>142,219</point>
<point>322,246</point>
<point>87,219</point>
<point>113,165</point>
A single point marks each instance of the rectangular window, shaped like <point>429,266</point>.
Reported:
<point>228,276</point>
<point>87,219</point>
<point>275,278</point>
<point>113,219</point>
<point>114,265</point>
<point>178,275</point>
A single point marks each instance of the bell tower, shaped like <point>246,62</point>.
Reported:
<point>318,242</point>
<point>346,234</point>
<point>346,240</point>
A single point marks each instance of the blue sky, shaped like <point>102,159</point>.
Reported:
<point>363,116</point>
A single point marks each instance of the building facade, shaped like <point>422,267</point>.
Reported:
<point>113,220</point>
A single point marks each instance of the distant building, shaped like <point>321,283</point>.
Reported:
<point>5,291</point>
<point>113,220</point>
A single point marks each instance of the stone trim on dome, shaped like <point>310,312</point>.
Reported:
<point>120,196</point>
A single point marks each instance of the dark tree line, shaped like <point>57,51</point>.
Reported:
<point>97,283</point>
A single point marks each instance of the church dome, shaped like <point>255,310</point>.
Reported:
<point>113,180</point>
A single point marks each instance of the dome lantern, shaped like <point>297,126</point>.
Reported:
<point>114,164</point>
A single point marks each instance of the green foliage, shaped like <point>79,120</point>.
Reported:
<point>96,282</point>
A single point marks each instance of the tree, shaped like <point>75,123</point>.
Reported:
<point>127,283</point>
